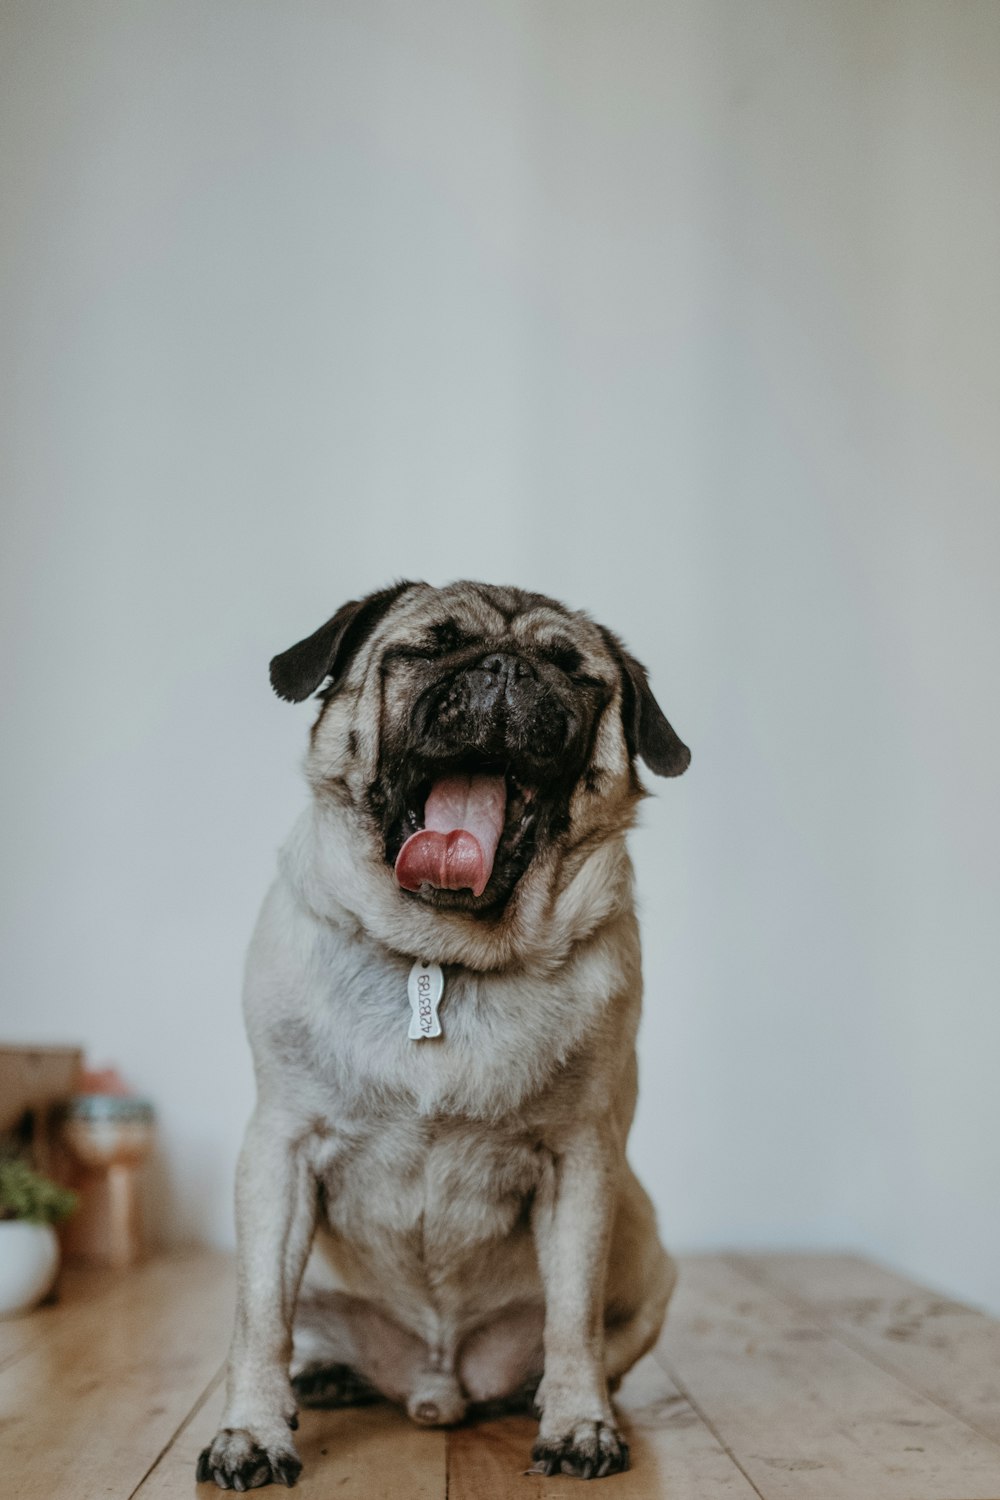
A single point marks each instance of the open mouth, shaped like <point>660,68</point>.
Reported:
<point>463,827</point>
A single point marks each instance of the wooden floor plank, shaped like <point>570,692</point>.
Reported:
<point>171,1476</point>
<point>672,1452</point>
<point>376,1451</point>
<point>809,1379</point>
<point>806,1417</point>
<point>77,1290</point>
<point>946,1350</point>
<point>85,1411</point>
<point>360,1453</point>
<point>817,1277</point>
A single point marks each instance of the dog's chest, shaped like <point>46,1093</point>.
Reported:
<point>504,1042</point>
<point>430,1187</point>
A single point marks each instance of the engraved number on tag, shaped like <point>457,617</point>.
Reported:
<point>425,987</point>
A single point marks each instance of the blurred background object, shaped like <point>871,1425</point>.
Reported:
<point>88,1134</point>
<point>30,1205</point>
<point>108,1135</point>
<point>35,1083</point>
<point>686,312</point>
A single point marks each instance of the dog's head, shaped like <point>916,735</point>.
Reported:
<point>475,739</point>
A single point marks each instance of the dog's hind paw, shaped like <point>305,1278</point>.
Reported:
<point>332,1386</point>
<point>591,1451</point>
<point>237,1461</point>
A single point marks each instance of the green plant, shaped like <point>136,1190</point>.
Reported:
<point>25,1194</point>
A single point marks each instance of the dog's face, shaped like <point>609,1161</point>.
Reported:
<point>473,735</point>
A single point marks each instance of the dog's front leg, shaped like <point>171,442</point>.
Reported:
<point>572,1219</point>
<point>275,1216</point>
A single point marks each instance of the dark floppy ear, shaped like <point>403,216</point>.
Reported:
<point>647,731</point>
<point>328,652</point>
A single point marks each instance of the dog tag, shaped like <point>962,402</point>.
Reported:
<point>425,987</point>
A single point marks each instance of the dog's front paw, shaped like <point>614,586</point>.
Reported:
<point>591,1450</point>
<point>239,1460</point>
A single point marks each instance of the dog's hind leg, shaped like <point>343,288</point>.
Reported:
<point>627,1339</point>
<point>500,1363</point>
<point>348,1353</point>
<point>323,1350</point>
<point>325,1385</point>
<point>641,1278</point>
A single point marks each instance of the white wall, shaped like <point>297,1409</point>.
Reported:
<point>686,312</point>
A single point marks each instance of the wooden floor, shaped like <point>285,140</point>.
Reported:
<point>786,1377</point>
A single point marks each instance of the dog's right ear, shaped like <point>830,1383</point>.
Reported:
<point>329,651</point>
<point>647,731</point>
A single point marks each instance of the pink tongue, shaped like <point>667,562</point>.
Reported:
<point>464,820</point>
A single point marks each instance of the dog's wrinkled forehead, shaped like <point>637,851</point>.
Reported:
<point>471,614</point>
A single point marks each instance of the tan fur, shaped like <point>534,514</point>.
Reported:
<point>478,1203</point>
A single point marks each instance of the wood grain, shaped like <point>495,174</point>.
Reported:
<point>672,1452</point>
<point>946,1350</point>
<point>87,1410</point>
<point>360,1453</point>
<point>76,1290</point>
<point>804,1416</point>
<point>780,1377</point>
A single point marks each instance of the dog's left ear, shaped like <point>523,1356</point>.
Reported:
<point>329,651</point>
<point>647,731</point>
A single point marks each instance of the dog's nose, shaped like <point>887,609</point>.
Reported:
<point>506,668</point>
<point>498,677</point>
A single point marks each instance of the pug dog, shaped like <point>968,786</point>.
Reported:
<point>433,1200</point>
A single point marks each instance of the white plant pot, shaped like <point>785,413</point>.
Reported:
<point>29,1260</point>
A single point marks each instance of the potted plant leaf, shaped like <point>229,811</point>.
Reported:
<point>30,1205</point>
